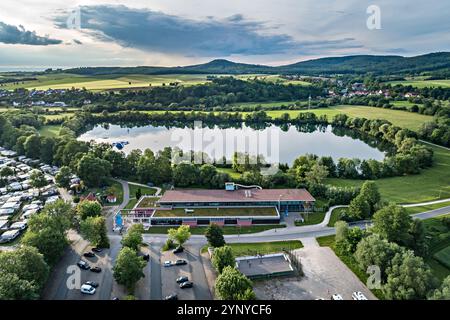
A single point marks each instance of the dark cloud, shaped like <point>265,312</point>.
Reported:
<point>156,31</point>
<point>18,35</point>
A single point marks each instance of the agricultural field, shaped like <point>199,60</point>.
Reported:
<point>430,184</point>
<point>105,82</point>
<point>423,83</point>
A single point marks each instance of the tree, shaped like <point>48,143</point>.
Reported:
<point>92,170</point>
<point>180,235</point>
<point>233,285</point>
<point>47,149</point>
<point>89,209</point>
<point>341,230</point>
<point>316,174</point>
<point>207,173</point>
<point>370,193</point>
<point>374,250</point>
<point>27,263</point>
<point>358,209</point>
<point>133,238</point>
<point>138,194</point>
<point>418,241</point>
<point>32,146</point>
<point>393,223</point>
<point>63,177</point>
<point>94,230</point>
<point>223,257</point>
<point>214,235</point>
<point>185,175</point>
<point>38,180</point>
<point>50,242</point>
<point>408,278</point>
<point>128,268</point>
<point>14,288</point>
<point>5,172</point>
<point>61,213</point>
<point>443,292</point>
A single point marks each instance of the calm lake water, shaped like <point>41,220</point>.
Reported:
<point>275,144</point>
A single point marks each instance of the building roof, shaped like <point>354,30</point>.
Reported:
<point>240,195</point>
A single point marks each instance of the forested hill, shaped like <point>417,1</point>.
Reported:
<point>433,64</point>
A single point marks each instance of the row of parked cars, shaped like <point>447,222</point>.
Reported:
<point>89,287</point>
<point>183,281</point>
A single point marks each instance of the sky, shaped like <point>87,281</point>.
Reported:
<point>72,33</point>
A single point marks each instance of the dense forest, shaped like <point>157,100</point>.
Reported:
<point>433,64</point>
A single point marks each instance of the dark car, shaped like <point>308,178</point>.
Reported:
<point>186,284</point>
<point>180,262</point>
<point>182,279</point>
<point>96,269</point>
<point>97,249</point>
<point>92,284</point>
<point>83,265</point>
<point>89,254</point>
<point>171,297</point>
<point>178,250</point>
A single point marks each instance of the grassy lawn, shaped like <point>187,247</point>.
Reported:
<point>226,229</point>
<point>335,216</point>
<point>413,210</point>
<point>311,218</point>
<point>217,212</point>
<point>423,83</point>
<point>233,174</point>
<point>251,249</point>
<point>439,246</point>
<point>145,191</point>
<point>49,131</point>
<point>430,184</point>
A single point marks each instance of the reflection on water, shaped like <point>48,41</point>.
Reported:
<point>288,141</point>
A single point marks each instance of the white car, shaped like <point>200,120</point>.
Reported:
<point>357,295</point>
<point>87,289</point>
<point>168,263</point>
<point>337,297</point>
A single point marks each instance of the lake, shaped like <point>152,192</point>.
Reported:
<point>276,144</point>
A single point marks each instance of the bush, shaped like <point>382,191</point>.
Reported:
<point>170,244</point>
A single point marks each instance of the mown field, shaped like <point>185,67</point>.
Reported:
<point>423,83</point>
<point>430,184</point>
<point>105,82</point>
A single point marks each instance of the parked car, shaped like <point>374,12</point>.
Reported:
<point>186,284</point>
<point>87,289</point>
<point>180,262</point>
<point>83,265</point>
<point>97,249</point>
<point>178,250</point>
<point>357,295</point>
<point>89,254</point>
<point>171,297</point>
<point>182,279</point>
<point>96,269</point>
<point>92,284</point>
<point>168,263</point>
<point>337,297</point>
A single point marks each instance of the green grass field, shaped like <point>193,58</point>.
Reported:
<point>226,229</point>
<point>49,131</point>
<point>413,210</point>
<point>335,216</point>
<point>430,184</point>
<point>443,256</point>
<point>251,249</point>
<point>105,82</point>
<point>423,83</point>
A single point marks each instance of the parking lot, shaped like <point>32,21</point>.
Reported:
<point>193,270</point>
<point>324,275</point>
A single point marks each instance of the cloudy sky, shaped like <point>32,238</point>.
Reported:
<point>54,33</point>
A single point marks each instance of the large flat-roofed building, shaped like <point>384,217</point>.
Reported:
<point>292,200</point>
<point>232,206</point>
